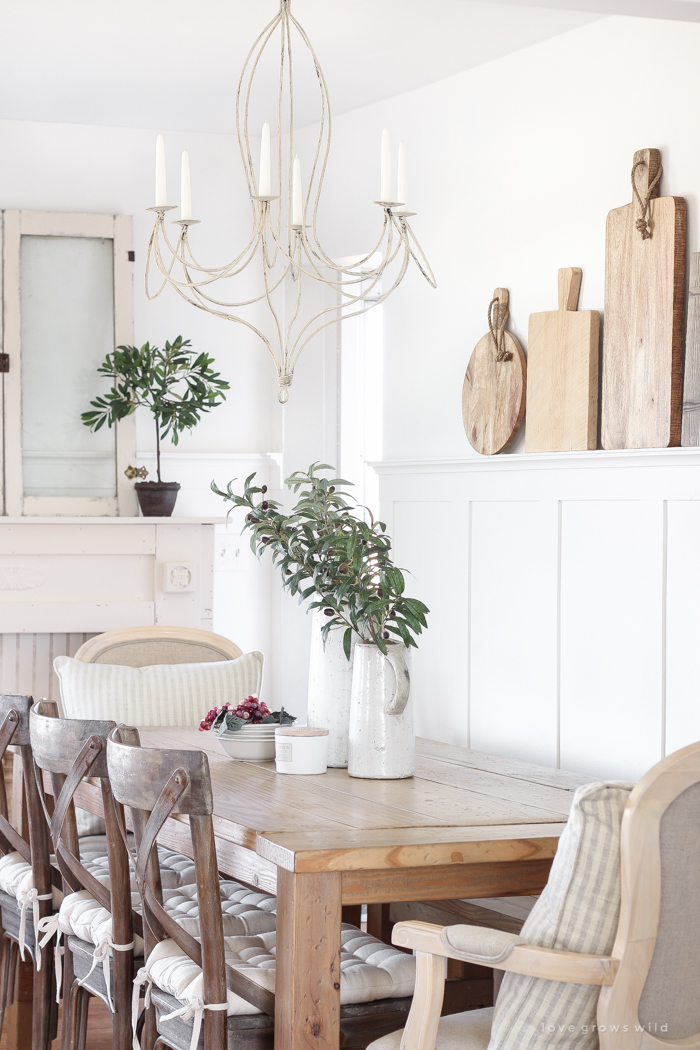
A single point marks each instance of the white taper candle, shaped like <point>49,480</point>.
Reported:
<point>161,186</point>
<point>386,167</point>
<point>297,203</point>
<point>402,184</point>
<point>185,188</point>
<point>264,177</point>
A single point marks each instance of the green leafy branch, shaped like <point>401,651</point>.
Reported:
<point>324,550</point>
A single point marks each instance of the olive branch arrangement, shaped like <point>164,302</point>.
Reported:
<point>324,550</point>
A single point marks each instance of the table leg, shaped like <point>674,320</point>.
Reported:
<point>307,999</point>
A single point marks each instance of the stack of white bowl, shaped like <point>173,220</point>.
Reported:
<point>252,743</point>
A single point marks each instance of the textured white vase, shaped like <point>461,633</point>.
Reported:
<point>330,685</point>
<point>382,738</point>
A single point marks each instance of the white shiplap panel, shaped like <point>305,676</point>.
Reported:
<point>26,652</point>
<point>43,672</point>
<point>8,672</point>
<point>435,567</point>
<point>514,565</point>
<point>683,625</point>
<point>612,581</point>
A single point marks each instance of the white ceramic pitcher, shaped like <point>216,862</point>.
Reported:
<point>382,739</point>
<point>330,684</point>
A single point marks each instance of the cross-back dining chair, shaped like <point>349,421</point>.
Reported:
<point>610,954</point>
<point>154,784</point>
<point>70,750</point>
<point>25,878</point>
<point>224,976</point>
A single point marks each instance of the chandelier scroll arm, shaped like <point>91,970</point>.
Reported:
<point>369,304</point>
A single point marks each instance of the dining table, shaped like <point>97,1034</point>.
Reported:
<point>467,825</point>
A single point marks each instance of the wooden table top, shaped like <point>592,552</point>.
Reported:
<point>461,807</point>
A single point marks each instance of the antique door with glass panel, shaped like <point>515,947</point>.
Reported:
<point>67,302</point>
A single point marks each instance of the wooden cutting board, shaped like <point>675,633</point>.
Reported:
<point>493,394</point>
<point>642,386</point>
<point>690,434</point>
<point>562,373</point>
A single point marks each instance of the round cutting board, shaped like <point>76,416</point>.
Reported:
<point>493,395</point>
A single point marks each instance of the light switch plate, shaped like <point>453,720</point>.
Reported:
<point>178,577</point>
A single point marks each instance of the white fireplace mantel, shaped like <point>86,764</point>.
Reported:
<point>87,575</point>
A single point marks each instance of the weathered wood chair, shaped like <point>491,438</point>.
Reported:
<point>25,879</point>
<point>224,982</point>
<point>611,952</point>
<point>70,750</point>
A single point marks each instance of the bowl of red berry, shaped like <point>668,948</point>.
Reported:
<point>247,732</point>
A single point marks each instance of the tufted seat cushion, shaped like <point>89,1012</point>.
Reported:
<point>176,869</point>
<point>369,969</point>
<point>244,911</point>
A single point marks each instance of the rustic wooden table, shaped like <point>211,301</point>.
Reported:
<point>467,825</point>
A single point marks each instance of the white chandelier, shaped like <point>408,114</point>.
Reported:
<point>288,249</point>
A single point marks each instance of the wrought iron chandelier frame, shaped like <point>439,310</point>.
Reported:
<point>297,253</point>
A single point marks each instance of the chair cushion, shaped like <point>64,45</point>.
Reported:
<point>244,911</point>
<point>176,870</point>
<point>369,969</point>
<point>467,1031</point>
<point>578,911</point>
<point>159,695</point>
<point>17,878</point>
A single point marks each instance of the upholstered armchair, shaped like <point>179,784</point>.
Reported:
<point>610,954</point>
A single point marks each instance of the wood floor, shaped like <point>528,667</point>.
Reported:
<point>99,1035</point>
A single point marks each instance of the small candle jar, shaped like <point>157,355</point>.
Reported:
<point>303,750</point>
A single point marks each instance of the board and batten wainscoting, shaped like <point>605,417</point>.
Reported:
<point>565,598</point>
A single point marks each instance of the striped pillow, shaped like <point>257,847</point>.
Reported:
<point>578,911</point>
<point>159,695</point>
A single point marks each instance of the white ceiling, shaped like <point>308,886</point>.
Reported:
<point>174,64</point>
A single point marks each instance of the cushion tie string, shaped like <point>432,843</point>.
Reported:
<point>26,901</point>
<point>101,954</point>
<point>49,926</point>
<point>141,978</point>
<point>195,1008</point>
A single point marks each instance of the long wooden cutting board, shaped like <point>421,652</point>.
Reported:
<point>690,435</point>
<point>562,373</point>
<point>642,386</point>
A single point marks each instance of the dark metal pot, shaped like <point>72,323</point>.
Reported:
<point>157,498</point>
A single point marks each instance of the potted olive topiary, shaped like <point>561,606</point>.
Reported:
<point>175,384</point>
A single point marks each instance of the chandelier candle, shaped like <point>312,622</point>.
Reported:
<point>264,182</point>
<point>185,189</point>
<point>283,243</point>
<point>402,183</point>
<point>161,186</point>
<point>385,196</point>
<point>297,200</point>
